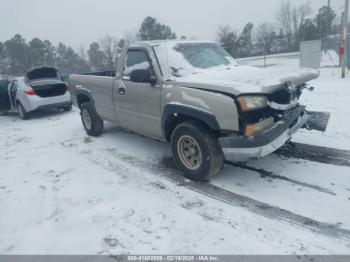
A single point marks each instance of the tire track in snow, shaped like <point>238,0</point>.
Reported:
<point>268,174</point>
<point>318,154</point>
<point>165,170</point>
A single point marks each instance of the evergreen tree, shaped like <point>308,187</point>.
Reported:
<point>309,31</point>
<point>228,39</point>
<point>3,62</point>
<point>37,52</point>
<point>151,29</point>
<point>96,57</point>
<point>245,41</point>
<point>17,54</point>
<point>49,53</point>
<point>324,21</point>
<point>68,61</point>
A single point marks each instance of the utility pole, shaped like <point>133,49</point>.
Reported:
<point>344,45</point>
<point>328,17</point>
<point>324,44</point>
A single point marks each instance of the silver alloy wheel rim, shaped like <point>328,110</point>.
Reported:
<point>86,119</point>
<point>189,152</point>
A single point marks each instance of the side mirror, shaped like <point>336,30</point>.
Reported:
<point>142,76</point>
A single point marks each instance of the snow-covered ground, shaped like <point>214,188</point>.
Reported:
<point>62,192</point>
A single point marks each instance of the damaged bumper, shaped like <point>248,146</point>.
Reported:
<point>241,148</point>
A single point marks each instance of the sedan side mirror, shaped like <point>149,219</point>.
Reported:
<point>142,76</point>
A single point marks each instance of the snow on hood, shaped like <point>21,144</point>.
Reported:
<point>245,79</point>
<point>206,65</point>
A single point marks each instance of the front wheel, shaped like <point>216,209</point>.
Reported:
<point>196,151</point>
<point>92,123</point>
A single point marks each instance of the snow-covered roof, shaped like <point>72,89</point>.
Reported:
<point>178,41</point>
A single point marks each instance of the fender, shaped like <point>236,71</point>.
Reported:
<point>171,110</point>
<point>84,92</point>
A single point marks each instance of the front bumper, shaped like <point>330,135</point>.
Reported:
<point>241,148</point>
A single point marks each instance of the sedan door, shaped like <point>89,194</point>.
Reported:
<point>138,103</point>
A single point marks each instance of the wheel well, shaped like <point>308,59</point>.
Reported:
<point>176,119</point>
<point>82,98</point>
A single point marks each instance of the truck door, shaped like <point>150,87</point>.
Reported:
<point>138,103</point>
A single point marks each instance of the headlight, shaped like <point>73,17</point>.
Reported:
<point>254,129</point>
<point>248,103</point>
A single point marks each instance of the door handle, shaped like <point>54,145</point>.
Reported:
<point>121,90</point>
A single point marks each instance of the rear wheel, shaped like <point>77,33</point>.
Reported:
<point>22,112</point>
<point>196,151</point>
<point>92,123</point>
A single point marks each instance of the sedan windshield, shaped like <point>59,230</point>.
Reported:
<point>182,59</point>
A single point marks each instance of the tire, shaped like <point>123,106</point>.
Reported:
<point>92,123</point>
<point>196,150</point>
<point>68,108</point>
<point>22,112</point>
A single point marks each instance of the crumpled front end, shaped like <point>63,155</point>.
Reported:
<point>267,123</point>
<point>243,148</point>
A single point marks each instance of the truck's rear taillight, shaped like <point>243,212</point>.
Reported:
<point>29,91</point>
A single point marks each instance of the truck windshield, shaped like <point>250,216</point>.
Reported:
<point>181,59</point>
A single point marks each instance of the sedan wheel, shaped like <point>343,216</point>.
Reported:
<point>22,112</point>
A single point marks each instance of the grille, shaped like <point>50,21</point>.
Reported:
<point>282,96</point>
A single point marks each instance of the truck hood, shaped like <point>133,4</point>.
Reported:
<point>245,79</point>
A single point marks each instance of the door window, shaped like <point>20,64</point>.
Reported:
<point>136,59</point>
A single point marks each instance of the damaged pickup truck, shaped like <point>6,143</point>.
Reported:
<point>195,96</point>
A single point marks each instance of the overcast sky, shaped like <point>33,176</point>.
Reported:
<point>76,22</point>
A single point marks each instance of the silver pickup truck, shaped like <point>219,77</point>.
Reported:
<point>197,97</point>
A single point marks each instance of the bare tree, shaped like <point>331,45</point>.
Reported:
<point>266,36</point>
<point>110,48</point>
<point>299,16</point>
<point>291,20</point>
<point>131,36</point>
<point>284,17</point>
<point>82,52</point>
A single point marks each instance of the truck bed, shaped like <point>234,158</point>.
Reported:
<point>102,73</point>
